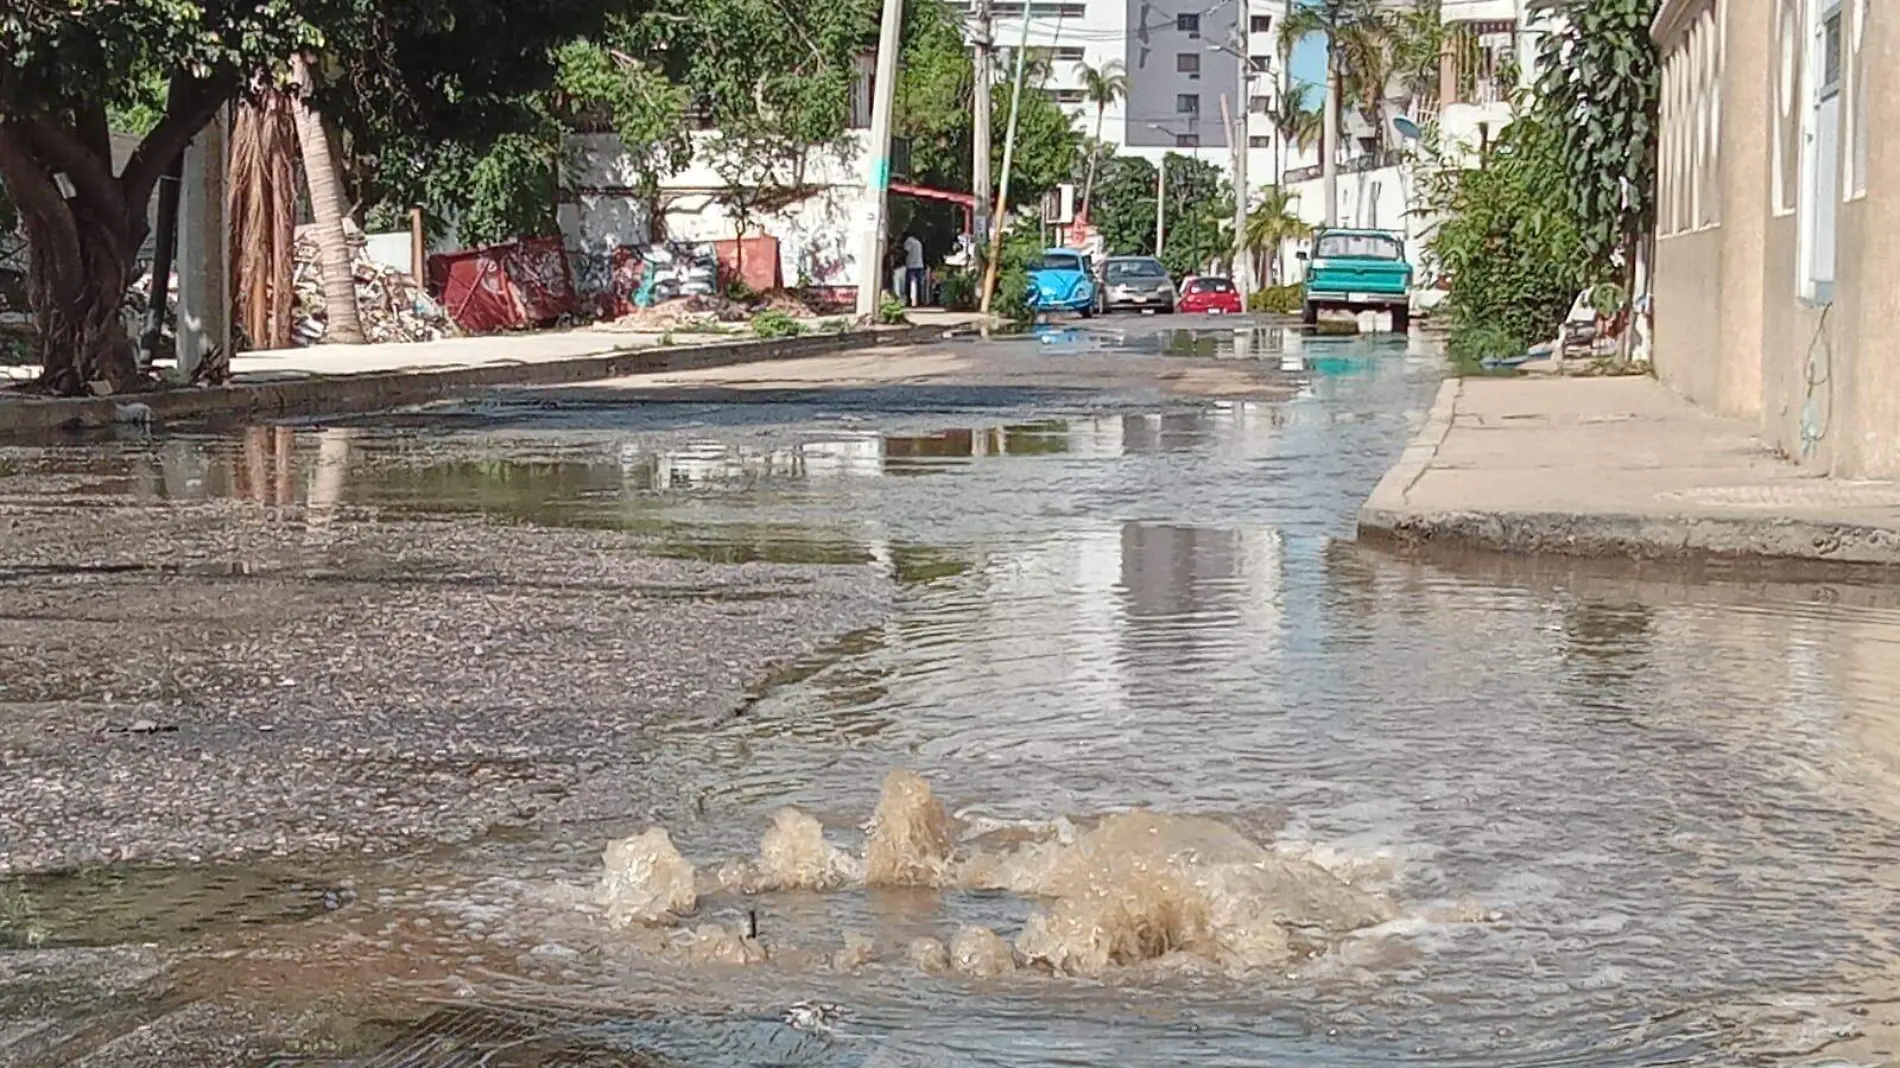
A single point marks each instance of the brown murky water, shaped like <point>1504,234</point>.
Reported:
<point>1217,786</point>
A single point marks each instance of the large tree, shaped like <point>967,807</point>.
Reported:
<point>1103,87</point>
<point>435,67</point>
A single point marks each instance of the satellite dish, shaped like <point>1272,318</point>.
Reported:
<point>1407,128</point>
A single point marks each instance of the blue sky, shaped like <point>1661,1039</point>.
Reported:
<point>1307,66</point>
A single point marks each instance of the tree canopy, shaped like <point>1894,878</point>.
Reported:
<point>445,68</point>
<point>1199,211</point>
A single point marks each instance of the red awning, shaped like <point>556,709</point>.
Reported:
<point>925,193</point>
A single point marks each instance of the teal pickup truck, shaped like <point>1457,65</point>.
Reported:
<point>1359,270</point>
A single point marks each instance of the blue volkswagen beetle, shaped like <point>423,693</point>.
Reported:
<point>1061,281</point>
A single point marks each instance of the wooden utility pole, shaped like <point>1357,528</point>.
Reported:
<point>1009,156</point>
<point>982,38</point>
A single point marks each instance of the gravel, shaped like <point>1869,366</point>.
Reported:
<point>220,681</point>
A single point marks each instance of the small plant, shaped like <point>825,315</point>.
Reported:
<point>776,324</point>
<point>666,339</point>
<point>1277,300</point>
<point>961,290</point>
<point>739,293</point>
<point>1607,299</point>
<point>1471,346</point>
<point>890,312</point>
<point>834,326</point>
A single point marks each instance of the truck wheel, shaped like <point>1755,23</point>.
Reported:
<point>1310,314</point>
<point>1401,320</point>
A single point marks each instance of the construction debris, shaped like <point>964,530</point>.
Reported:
<point>390,302</point>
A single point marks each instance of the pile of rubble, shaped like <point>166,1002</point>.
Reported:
<point>392,305</point>
<point>709,310</point>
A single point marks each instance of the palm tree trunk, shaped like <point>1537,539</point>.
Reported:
<point>337,266</point>
<point>1095,158</point>
<point>1329,139</point>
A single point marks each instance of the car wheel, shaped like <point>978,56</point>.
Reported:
<point>1310,314</point>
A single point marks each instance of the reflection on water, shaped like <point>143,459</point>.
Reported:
<point>1624,821</point>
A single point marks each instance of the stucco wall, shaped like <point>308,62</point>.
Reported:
<point>1734,330</point>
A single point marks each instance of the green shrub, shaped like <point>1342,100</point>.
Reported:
<point>739,293</point>
<point>890,311</point>
<point>1022,246</point>
<point>1507,244</point>
<point>1476,343</point>
<point>962,290</point>
<point>776,324</point>
<point>1277,300</point>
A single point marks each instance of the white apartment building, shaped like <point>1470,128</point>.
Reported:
<point>1181,58</point>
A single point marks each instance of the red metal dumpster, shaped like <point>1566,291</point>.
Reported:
<point>504,287</point>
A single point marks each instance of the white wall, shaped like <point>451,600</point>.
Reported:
<point>818,238</point>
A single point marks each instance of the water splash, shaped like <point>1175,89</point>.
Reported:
<point>911,838</point>
<point>794,855</point>
<point>645,880</point>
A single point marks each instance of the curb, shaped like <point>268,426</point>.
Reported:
<point>348,394</point>
<point>1388,519</point>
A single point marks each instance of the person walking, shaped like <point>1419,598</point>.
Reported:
<point>913,271</point>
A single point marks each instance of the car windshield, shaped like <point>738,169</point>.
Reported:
<point>1056,262</point>
<point>1213,285</point>
<point>1361,246</point>
<point>1136,270</point>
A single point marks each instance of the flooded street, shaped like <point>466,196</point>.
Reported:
<point>317,735</point>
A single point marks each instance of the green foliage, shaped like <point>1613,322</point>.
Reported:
<point>1277,300</point>
<point>1506,242</point>
<point>1273,222</point>
<point>935,110</point>
<point>1600,87</point>
<point>1123,208</point>
<point>1200,208</point>
<point>1472,345</point>
<point>1022,246</point>
<point>961,290</point>
<point>890,311</point>
<point>776,324</point>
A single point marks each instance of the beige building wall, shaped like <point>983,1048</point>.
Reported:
<point>1744,198</point>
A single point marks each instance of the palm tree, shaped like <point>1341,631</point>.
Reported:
<point>1418,40</point>
<point>1296,124</point>
<point>1338,21</point>
<point>1270,226</point>
<point>1103,87</point>
<point>336,264</point>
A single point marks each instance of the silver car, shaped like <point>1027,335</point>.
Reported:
<point>1136,282</point>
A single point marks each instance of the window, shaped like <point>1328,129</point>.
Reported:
<point>1188,24</point>
<point>1059,261</point>
<point>1187,104</point>
<point>1257,141</point>
<point>1065,96</point>
<point>1071,55</point>
<point>1058,11</point>
<point>1821,162</point>
<point>1188,63</point>
<point>1859,90</point>
<point>1259,105</point>
<point>1124,270</point>
<point>1187,140</point>
<point>1357,246</point>
<point>1260,64</point>
<point>1260,24</point>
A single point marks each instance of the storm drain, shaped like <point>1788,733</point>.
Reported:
<point>491,1036</point>
<point>486,1037</point>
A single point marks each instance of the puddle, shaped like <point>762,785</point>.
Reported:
<point>1217,786</point>
<point>129,904</point>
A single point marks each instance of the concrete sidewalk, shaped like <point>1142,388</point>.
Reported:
<point>340,379</point>
<point>1617,467</point>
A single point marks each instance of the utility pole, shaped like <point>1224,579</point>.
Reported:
<point>983,38</point>
<point>1009,156</point>
<point>871,260</point>
<point>1243,263</point>
<point>1161,204</point>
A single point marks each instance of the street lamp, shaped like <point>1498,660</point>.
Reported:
<point>1161,191</point>
<point>1243,268</point>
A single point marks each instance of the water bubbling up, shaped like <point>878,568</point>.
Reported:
<point>1136,887</point>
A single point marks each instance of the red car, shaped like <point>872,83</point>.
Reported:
<point>1209,296</point>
